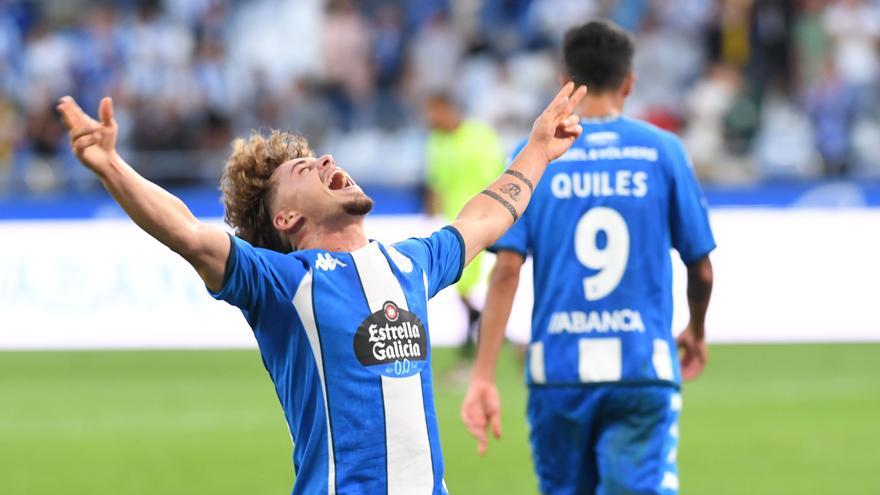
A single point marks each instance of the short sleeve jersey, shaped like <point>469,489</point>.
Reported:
<point>600,227</point>
<point>344,337</point>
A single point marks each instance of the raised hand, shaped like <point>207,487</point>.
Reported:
<point>558,127</point>
<point>93,142</point>
<point>480,411</point>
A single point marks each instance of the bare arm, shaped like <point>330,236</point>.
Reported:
<point>503,283</point>
<point>489,214</point>
<point>481,408</point>
<point>481,222</point>
<point>692,341</point>
<point>699,291</point>
<point>156,211</point>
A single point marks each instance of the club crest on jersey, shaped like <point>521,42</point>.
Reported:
<point>392,342</point>
<point>391,311</point>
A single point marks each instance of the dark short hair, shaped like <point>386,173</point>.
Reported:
<point>598,54</point>
<point>441,98</point>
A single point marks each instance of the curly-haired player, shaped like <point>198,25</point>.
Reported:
<point>340,321</point>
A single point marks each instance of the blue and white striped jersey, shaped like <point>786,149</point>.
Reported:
<point>344,337</point>
<point>600,227</point>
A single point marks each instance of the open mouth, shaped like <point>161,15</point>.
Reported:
<point>339,180</point>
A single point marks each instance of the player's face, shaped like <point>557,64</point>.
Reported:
<point>439,115</point>
<point>310,189</point>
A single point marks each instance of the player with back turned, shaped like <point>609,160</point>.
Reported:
<point>603,371</point>
<point>340,321</point>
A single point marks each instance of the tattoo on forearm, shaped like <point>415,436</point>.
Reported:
<point>521,177</point>
<point>511,190</point>
<point>504,203</point>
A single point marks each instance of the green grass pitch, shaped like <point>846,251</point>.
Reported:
<point>793,419</point>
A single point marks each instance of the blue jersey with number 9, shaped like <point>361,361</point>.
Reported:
<point>600,227</point>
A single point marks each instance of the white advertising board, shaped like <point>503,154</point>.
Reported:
<point>781,275</point>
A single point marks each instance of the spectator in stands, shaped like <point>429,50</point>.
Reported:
<point>347,67</point>
<point>185,74</point>
<point>388,59</point>
<point>709,101</point>
<point>436,52</point>
<point>770,45</point>
<point>9,135</point>
<point>832,105</point>
<point>811,44</point>
<point>783,147</point>
<point>854,27</point>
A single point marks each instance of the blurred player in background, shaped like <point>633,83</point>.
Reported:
<point>462,156</point>
<point>338,319</point>
<point>603,373</point>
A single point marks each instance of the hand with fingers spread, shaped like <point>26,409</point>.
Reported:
<point>481,411</point>
<point>93,142</point>
<point>557,128</point>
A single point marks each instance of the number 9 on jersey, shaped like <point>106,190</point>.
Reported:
<point>610,260</point>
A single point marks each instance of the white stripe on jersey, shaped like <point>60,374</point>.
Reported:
<point>536,362</point>
<point>599,360</point>
<point>662,360</point>
<point>406,430</point>
<point>302,301</point>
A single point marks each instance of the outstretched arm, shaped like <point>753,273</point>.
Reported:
<point>481,409</point>
<point>156,211</point>
<point>489,214</point>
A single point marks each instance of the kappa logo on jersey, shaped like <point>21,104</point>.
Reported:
<point>327,262</point>
<point>391,342</point>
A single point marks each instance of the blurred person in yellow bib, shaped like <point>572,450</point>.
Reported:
<point>462,156</point>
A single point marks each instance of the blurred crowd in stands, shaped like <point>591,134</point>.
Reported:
<point>758,89</point>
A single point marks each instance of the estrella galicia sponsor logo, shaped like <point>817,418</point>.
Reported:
<point>392,342</point>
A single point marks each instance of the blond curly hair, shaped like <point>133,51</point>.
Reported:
<point>247,189</point>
